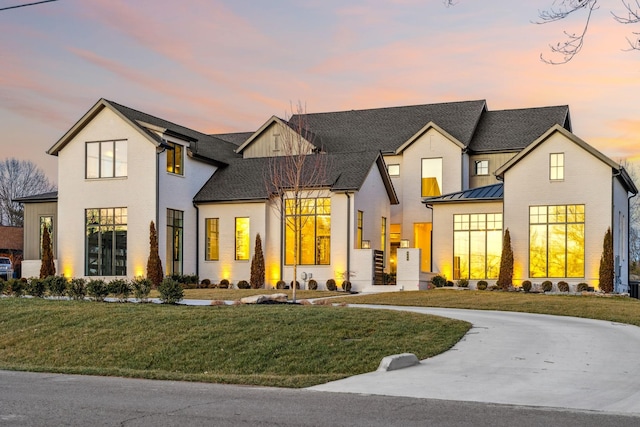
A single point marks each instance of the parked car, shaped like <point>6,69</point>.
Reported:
<point>6,268</point>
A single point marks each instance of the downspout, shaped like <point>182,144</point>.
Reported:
<point>197,239</point>
<point>282,248</point>
<point>613,230</point>
<point>348,235</point>
<point>430,240</point>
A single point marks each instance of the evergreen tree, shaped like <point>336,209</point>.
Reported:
<point>47,268</point>
<point>606,274</point>
<point>505,276</point>
<point>154,265</point>
<point>257,265</point>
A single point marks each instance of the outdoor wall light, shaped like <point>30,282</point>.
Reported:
<point>366,244</point>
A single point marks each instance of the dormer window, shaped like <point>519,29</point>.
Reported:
<point>556,166</point>
<point>175,159</point>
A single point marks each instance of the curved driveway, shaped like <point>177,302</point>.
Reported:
<point>520,359</point>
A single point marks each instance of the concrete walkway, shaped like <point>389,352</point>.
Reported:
<point>520,359</point>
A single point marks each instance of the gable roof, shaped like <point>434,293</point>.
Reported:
<point>202,146</point>
<point>425,129</point>
<point>387,129</point>
<point>244,179</point>
<point>513,130</point>
<point>617,168</point>
<point>493,192</point>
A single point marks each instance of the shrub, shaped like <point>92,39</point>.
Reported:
<point>205,283</point>
<point>36,287</point>
<point>97,289</point>
<point>331,285</point>
<point>154,264</point>
<point>547,286</point>
<point>494,287</point>
<point>526,286</point>
<point>505,276</point>
<point>346,286</point>
<point>439,281</point>
<point>57,285</point>
<point>482,285</point>
<point>243,284</point>
<point>120,288</point>
<point>281,284</point>
<point>449,283</point>
<point>297,285</point>
<point>257,265</point>
<point>224,284</point>
<point>17,287</point>
<point>141,288</point>
<point>463,283</point>
<point>313,285</point>
<point>3,286</point>
<point>77,289</point>
<point>563,286</point>
<point>606,273</point>
<point>582,287</point>
<point>47,267</point>
<point>170,291</point>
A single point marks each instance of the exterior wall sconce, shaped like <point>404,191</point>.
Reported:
<point>366,244</point>
<point>404,243</point>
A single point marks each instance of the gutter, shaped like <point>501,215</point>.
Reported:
<point>348,236</point>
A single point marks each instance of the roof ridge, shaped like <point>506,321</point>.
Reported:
<point>529,108</point>
<point>396,107</point>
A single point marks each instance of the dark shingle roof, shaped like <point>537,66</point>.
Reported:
<point>236,138</point>
<point>486,193</point>
<point>244,179</point>
<point>512,130</point>
<point>203,145</point>
<point>51,196</point>
<point>386,129</point>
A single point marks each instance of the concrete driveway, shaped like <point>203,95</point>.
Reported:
<point>520,359</point>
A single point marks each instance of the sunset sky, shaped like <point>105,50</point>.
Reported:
<point>225,66</point>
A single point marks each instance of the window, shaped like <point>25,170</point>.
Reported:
<point>422,239</point>
<point>46,222</point>
<point>431,177</point>
<point>175,229</point>
<point>276,142</point>
<point>394,170</point>
<point>482,167</point>
<point>106,159</point>
<point>383,236</point>
<point>477,246</point>
<point>242,239</point>
<point>308,225</point>
<point>556,166</point>
<point>556,241</point>
<point>175,159</point>
<point>213,245</point>
<point>359,230</point>
<point>106,242</point>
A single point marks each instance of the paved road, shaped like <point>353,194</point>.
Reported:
<point>521,359</point>
<point>33,399</point>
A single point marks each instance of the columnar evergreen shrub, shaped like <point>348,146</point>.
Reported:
<point>606,273</point>
<point>482,285</point>
<point>243,284</point>
<point>257,266</point>
<point>36,287</point>
<point>313,285</point>
<point>439,281</point>
<point>57,285</point>
<point>141,288</point>
<point>547,286</point>
<point>563,286</point>
<point>526,286</point>
<point>120,289</point>
<point>47,267</point>
<point>505,277</point>
<point>331,285</point>
<point>97,289</point>
<point>154,264</point>
<point>170,291</point>
<point>77,288</point>
<point>346,286</point>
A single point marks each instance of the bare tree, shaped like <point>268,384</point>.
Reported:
<point>295,177</point>
<point>19,178</point>
<point>574,41</point>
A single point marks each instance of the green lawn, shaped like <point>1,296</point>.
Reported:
<point>274,345</point>
<point>613,308</point>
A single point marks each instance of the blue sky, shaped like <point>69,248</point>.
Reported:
<point>224,66</point>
